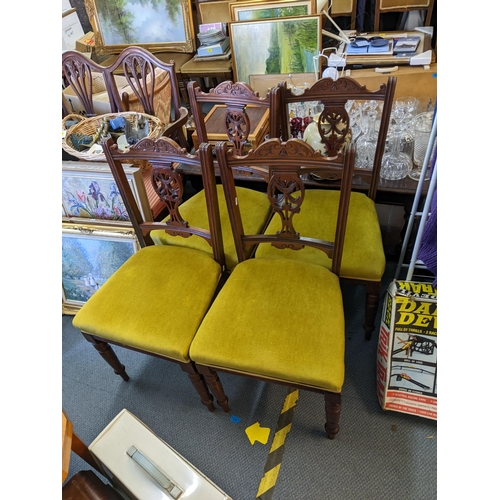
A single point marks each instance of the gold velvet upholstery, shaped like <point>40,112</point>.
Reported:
<point>136,306</point>
<point>364,260</point>
<point>278,319</point>
<point>194,210</point>
<point>254,340</point>
<point>156,300</point>
<point>363,256</point>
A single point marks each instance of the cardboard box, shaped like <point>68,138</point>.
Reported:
<point>100,99</point>
<point>86,43</point>
<point>412,81</point>
<point>71,29</point>
<point>407,350</point>
<point>215,12</point>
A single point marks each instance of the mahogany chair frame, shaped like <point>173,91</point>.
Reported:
<point>236,96</point>
<point>401,7</point>
<point>136,64</point>
<point>284,164</point>
<point>165,156</point>
<point>333,94</point>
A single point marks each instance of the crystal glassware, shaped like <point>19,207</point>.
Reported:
<point>366,144</point>
<point>395,164</point>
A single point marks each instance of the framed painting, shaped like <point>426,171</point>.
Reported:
<point>258,9</point>
<point>155,25</point>
<point>89,191</point>
<point>275,46</point>
<point>90,255</point>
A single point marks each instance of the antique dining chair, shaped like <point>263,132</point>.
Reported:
<point>364,258</point>
<point>280,320</point>
<point>135,81</point>
<point>384,6</point>
<point>156,300</point>
<point>239,101</point>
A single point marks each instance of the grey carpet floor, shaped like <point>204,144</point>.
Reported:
<point>377,455</point>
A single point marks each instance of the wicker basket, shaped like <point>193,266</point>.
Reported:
<point>89,126</point>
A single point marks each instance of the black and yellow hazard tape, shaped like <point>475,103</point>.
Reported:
<point>275,457</point>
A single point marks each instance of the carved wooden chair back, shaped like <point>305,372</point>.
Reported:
<point>151,86</point>
<point>286,323</point>
<point>384,6</point>
<point>165,156</point>
<point>284,166</point>
<point>87,78</point>
<point>237,97</point>
<point>334,118</point>
<point>155,301</point>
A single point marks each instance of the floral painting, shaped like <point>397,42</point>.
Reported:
<point>94,199</point>
<point>90,192</point>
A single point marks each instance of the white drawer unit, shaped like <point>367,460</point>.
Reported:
<point>143,467</point>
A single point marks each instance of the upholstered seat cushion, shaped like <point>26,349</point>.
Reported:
<point>266,321</point>
<point>155,301</point>
<point>255,213</point>
<point>363,256</point>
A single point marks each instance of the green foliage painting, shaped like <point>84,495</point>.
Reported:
<point>129,22</point>
<point>276,46</point>
<point>89,260</point>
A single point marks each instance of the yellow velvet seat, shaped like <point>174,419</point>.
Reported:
<point>155,301</point>
<point>363,260</point>
<point>280,320</point>
<point>195,211</point>
<point>253,341</point>
<point>135,305</point>
<point>363,257</point>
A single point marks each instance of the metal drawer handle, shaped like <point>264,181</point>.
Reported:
<point>165,482</point>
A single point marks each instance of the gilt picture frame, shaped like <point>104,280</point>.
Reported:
<point>157,26</point>
<point>90,194</point>
<point>90,255</point>
<point>284,45</point>
<point>259,9</point>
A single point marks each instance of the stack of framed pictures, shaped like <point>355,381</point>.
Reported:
<point>97,235</point>
<point>272,40</point>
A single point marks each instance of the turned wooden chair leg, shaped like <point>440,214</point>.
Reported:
<point>199,384</point>
<point>332,410</point>
<point>215,386</point>
<point>371,308</point>
<point>105,350</point>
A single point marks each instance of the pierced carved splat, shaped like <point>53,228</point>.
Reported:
<point>136,70</point>
<point>333,127</point>
<point>237,128</point>
<point>79,76</point>
<point>166,181</point>
<point>286,192</point>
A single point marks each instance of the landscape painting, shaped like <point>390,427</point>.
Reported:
<point>276,46</point>
<point>90,255</point>
<point>152,24</point>
<point>248,11</point>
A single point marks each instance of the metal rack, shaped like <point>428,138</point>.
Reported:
<point>423,215</point>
